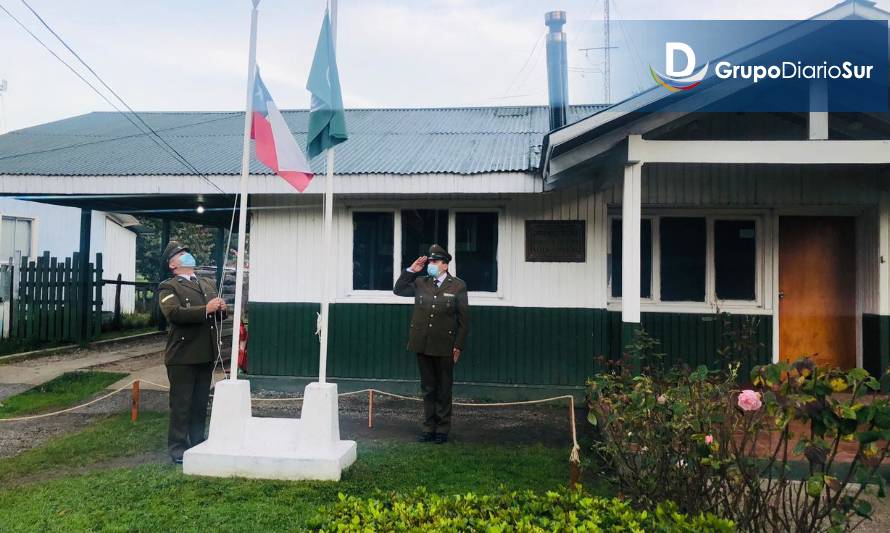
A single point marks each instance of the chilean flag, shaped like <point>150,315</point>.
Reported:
<point>275,145</point>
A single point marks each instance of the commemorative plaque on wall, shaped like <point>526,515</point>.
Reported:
<point>556,241</point>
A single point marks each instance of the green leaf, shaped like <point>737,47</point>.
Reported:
<point>814,485</point>
<point>882,417</point>
<point>859,374</point>
<point>773,374</point>
<point>866,437</point>
<point>591,417</point>
<point>862,508</point>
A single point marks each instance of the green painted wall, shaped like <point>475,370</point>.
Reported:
<point>506,345</point>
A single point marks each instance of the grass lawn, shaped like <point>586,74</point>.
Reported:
<point>64,391</point>
<point>49,496</point>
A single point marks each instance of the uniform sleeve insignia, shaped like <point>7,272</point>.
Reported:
<point>165,298</point>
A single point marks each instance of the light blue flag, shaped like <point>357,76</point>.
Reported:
<point>327,121</point>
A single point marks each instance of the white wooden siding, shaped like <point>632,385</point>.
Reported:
<point>286,232</point>
<point>285,246</point>
<point>118,257</point>
<point>753,185</point>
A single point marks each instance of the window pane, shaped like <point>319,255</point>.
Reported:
<point>682,259</point>
<point>645,258</point>
<point>23,237</point>
<point>7,239</point>
<point>735,259</point>
<point>372,240</point>
<point>421,228</point>
<point>476,250</point>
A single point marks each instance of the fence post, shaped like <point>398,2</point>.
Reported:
<point>42,296</point>
<point>96,310</point>
<point>18,323</point>
<point>52,301</point>
<point>134,402</point>
<point>68,319</point>
<point>117,303</point>
<point>76,297</point>
<point>29,287</point>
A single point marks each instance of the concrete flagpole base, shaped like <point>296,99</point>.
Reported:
<point>240,445</point>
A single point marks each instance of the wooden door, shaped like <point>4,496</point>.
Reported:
<point>817,284</point>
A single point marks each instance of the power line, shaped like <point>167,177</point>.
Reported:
<point>111,139</point>
<point>121,100</point>
<point>524,65</point>
<point>175,154</point>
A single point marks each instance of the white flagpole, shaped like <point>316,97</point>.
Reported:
<point>328,224</point>
<point>242,214</point>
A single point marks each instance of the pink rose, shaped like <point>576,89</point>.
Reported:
<point>709,439</point>
<point>749,400</point>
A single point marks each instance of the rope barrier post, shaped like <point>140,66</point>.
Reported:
<point>574,456</point>
<point>134,402</point>
<point>371,408</point>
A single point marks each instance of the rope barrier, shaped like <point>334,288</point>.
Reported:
<point>574,456</point>
<point>44,415</point>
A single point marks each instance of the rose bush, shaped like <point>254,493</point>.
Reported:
<point>767,458</point>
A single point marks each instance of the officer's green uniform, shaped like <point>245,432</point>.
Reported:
<point>440,322</point>
<point>190,354</point>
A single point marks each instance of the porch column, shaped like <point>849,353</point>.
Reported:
<point>86,224</point>
<point>630,251</point>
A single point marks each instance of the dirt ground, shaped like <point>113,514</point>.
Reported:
<point>396,420</point>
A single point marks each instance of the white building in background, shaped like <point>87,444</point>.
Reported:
<point>28,229</point>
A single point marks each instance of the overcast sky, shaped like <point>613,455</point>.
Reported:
<point>191,55</point>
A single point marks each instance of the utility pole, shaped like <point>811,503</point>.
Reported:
<point>607,58</point>
<point>607,66</point>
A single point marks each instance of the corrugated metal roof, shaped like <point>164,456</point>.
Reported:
<point>398,141</point>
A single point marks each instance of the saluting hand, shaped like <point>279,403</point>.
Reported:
<point>418,263</point>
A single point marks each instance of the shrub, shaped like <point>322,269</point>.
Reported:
<point>695,438</point>
<point>564,510</point>
<point>136,320</point>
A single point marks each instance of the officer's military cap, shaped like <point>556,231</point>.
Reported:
<point>172,249</point>
<point>437,252</point>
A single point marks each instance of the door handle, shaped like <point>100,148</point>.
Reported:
<point>781,294</point>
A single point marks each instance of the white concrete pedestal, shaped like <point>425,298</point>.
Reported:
<point>240,445</point>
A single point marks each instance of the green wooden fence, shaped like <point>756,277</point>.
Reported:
<point>50,305</point>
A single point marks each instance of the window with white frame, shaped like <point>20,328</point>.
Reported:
<point>381,239</point>
<point>372,250</point>
<point>421,228</point>
<point>692,259</point>
<point>476,250</point>
<point>15,238</point>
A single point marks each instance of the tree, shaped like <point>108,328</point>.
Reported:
<point>200,240</point>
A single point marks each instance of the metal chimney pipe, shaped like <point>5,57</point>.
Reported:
<point>557,68</point>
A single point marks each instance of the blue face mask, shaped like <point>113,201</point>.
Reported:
<point>433,270</point>
<point>187,260</point>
